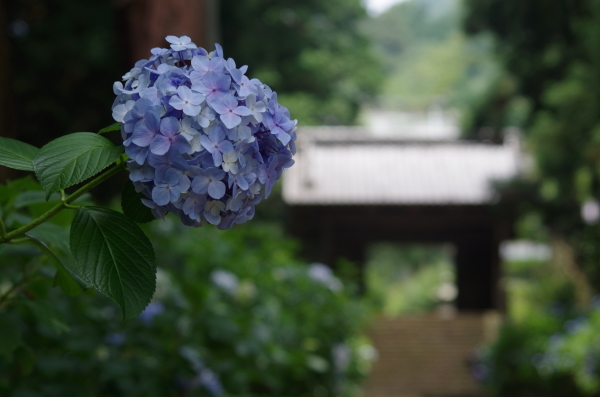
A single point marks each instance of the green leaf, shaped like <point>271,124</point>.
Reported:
<point>33,197</point>
<point>17,219</point>
<point>73,158</point>
<point>16,154</point>
<point>114,256</point>
<point>131,203</point>
<point>10,335</point>
<point>25,359</point>
<point>66,282</point>
<point>52,234</point>
<point>63,278</point>
<point>9,191</point>
<point>112,127</point>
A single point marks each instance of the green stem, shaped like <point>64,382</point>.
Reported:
<point>6,238</point>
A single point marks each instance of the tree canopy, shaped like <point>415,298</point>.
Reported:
<point>551,51</point>
<point>310,51</point>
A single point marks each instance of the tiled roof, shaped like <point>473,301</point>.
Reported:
<point>344,165</point>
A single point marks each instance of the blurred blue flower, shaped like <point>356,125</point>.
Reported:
<point>225,280</point>
<point>205,377</point>
<point>323,274</point>
<point>596,302</point>
<point>480,372</point>
<point>211,382</point>
<point>153,309</point>
<point>205,141</point>
<point>572,326</point>
<point>115,338</point>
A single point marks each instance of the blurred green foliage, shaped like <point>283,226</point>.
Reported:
<point>554,352</point>
<point>428,59</point>
<point>406,279</point>
<point>65,55</point>
<point>547,346</point>
<point>235,314</point>
<point>276,329</point>
<point>310,51</point>
<point>508,367</point>
<point>551,54</point>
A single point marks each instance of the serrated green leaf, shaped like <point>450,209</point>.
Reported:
<point>16,154</point>
<point>114,256</point>
<point>112,127</point>
<point>10,335</point>
<point>25,359</point>
<point>73,158</point>
<point>131,203</point>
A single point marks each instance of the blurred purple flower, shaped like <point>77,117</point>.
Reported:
<point>154,308</point>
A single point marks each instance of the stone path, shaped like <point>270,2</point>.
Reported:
<point>428,355</point>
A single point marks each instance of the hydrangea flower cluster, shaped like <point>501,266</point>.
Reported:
<point>205,142</point>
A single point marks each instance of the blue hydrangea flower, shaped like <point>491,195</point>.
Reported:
<point>206,142</point>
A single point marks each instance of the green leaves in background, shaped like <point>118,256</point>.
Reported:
<point>10,335</point>
<point>131,203</point>
<point>16,154</point>
<point>58,236</point>
<point>112,127</point>
<point>114,256</point>
<point>33,197</point>
<point>73,158</point>
<point>25,359</point>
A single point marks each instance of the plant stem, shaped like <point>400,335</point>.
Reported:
<point>64,203</point>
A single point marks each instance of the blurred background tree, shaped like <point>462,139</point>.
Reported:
<point>64,56</point>
<point>551,56</point>
<point>429,62</point>
<point>310,51</point>
<point>550,79</point>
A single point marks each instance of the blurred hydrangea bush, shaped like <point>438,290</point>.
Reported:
<point>553,353</point>
<point>234,314</point>
<point>205,141</point>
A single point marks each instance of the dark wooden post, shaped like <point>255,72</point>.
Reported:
<point>149,21</point>
<point>475,256</point>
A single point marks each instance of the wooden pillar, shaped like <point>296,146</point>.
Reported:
<point>147,22</point>
<point>476,256</point>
